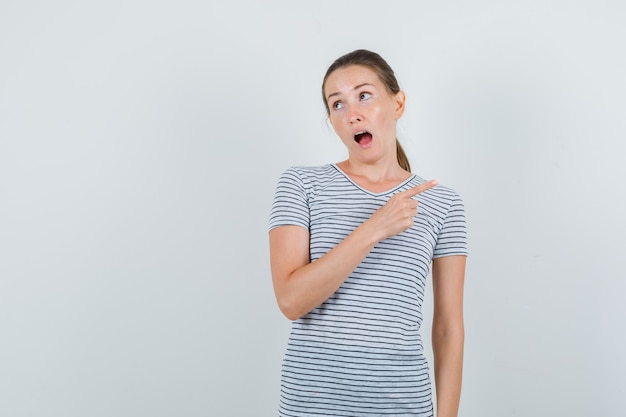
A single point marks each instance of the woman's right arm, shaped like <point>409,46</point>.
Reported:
<point>301,285</point>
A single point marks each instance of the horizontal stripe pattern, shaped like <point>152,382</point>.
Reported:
<point>360,352</point>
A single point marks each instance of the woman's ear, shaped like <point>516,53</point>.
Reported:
<point>400,101</point>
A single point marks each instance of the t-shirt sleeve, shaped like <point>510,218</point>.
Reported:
<point>452,239</point>
<point>290,205</point>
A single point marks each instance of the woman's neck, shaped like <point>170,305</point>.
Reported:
<point>372,176</point>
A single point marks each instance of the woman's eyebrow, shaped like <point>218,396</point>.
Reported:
<point>355,88</point>
<point>362,85</point>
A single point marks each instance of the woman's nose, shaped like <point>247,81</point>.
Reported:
<point>354,117</point>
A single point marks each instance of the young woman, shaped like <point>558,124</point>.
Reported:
<point>351,245</point>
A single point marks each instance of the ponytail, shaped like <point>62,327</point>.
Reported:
<point>402,159</point>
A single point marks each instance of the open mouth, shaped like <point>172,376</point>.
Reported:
<point>363,138</point>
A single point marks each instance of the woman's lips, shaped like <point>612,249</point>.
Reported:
<point>364,139</point>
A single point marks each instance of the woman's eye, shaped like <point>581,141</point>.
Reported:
<point>365,96</point>
<point>337,105</point>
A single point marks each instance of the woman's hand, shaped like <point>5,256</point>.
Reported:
<point>397,214</point>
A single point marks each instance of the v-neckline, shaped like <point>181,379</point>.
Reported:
<point>390,190</point>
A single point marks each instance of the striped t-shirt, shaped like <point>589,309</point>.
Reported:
<point>359,353</point>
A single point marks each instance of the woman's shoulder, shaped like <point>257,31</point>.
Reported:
<point>310,180</point>
<point>311,170</point>
<point>312,174</point>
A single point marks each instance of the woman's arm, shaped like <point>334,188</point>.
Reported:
<point>448,332</point>
<point>301,285</point>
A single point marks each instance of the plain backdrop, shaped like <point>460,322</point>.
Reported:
<point>140,143</point>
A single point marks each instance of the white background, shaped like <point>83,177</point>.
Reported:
<point>140,143</point>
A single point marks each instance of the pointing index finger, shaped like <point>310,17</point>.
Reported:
<point>412,192</point>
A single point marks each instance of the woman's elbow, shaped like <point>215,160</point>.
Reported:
<point>289,308</point>
<point>292,316</point>
<point>288,312</point>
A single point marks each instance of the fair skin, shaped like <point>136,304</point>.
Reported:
<point>360,103</point>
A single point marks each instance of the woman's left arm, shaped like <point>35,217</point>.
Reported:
<point>448,332</point>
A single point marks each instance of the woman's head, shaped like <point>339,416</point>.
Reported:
<point>383,71</point>
<point>367,59</point>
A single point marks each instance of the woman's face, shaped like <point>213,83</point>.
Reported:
<point>363,112</point>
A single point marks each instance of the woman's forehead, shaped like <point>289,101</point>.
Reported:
<point>347,78</point>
